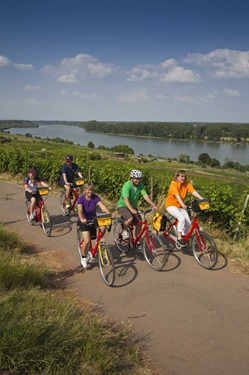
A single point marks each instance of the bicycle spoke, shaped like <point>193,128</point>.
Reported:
<point>31,222</point>
<point>122,244</point>
<point>64,209</point>
<point>106,264</point>
<point>154,252</point>
<point>46,221</point>
<point>205,250</point>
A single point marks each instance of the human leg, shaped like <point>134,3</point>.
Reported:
<point>179,214</point>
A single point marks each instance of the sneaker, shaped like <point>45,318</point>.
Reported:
<point>75,209</point>
<point>125,235</point>
<point>84,262</point>
<point>67,205</point>
<point>180,243</point>
<point>140,249</point>
<point>31,217</point>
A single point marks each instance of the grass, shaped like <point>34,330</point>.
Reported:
<point>45,330</point>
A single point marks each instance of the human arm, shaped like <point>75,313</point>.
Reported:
<point>129,206</point>
<point>46,185</point>
<point>197,195</point>
<point>179,199</point>
<point>80,213</point>
<point>148,200</point>
<point>104,208</point>
<point>80,175</point>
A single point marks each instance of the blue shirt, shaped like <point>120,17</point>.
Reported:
<point>69,172</point>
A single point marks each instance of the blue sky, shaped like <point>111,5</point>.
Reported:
<point>124,60</point>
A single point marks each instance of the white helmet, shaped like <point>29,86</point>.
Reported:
<point>135,173</point>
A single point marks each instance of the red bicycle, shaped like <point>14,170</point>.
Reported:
<point>73,197</point>
<point>203,246</point>
<point>42,215</point>
<point>100,251</point>
<point>154,250</point>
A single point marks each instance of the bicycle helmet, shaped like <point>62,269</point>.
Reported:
<point>32,171</point>
<point>135,173</point>
<point>69,158</point>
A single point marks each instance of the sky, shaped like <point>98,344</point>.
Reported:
<point>124,60</point>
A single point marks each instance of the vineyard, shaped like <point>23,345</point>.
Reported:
<point>108,173</point>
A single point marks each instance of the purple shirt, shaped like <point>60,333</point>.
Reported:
<point>88,206</point>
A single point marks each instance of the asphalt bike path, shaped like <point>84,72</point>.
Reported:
<point>192,321</point>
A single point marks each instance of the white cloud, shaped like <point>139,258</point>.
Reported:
<point>23,66</point>
<point>84,96</point>
<point>81,66</point>
<point>134,96</point>
<point>166,72</point>
<point>225,63</point>
<point>190,99</point>
<point>138,74</point>
<point>67,78</point>
<point>230,92</point>
<point>180,75</point>
<point>4,61</point>
<point>30,87</point>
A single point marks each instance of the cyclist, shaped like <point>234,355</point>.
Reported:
<point>87,204</point>
<point>31,183</point>
<point>68,171</point>
<point>128,202</point>
<point>178,190</point>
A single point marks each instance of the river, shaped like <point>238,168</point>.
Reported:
<point>157,147</point>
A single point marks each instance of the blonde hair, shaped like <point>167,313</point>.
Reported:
<point>178,173</point>
<point>88,185</point>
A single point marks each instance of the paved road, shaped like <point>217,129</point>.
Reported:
<point>193,321</point>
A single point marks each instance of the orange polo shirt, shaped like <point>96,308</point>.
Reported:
<point>180,189</point>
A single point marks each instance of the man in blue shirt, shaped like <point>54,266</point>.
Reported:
<point>68,171</point>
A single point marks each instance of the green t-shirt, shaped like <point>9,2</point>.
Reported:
<point>132,193</point>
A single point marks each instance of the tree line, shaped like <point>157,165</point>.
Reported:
<point>215,132</point>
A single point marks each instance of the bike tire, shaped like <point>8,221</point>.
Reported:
<point>27,204</point>
<point>64,209</point>
<point>170,245</point>
<point>205,250</point>
<point>155,252</point>
<point>106,264</point>
<point>46,221</point>
<point>122,245</point>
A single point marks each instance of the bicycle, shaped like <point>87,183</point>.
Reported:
<point>41,215</point>
<point>100,251</point>
<point>154,250</point>
<point>73,197</point>
<point>203,245</point>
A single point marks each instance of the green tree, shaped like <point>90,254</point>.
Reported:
<point>91,145</point>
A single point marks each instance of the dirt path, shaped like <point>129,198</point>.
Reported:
<point>193,321</point>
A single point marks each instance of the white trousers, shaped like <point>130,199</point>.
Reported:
<point>182,216</point>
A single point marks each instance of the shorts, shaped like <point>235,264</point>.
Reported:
<point>29,195</point>
<point>88,228</point>
<point>126,214</point>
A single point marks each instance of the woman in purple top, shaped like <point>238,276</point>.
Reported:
<point>87,204</point>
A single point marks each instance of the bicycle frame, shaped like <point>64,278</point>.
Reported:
<point>144,229</point>
<point>194,226</point>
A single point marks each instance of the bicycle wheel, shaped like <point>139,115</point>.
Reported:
<point>154,252</point>
<point>27,204</point>
<point>64,209</point>
<point>122,244</point>
<point>170,231</point>
<point>46,221</point>
<point>106,264</point>
<point>205,250</point>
